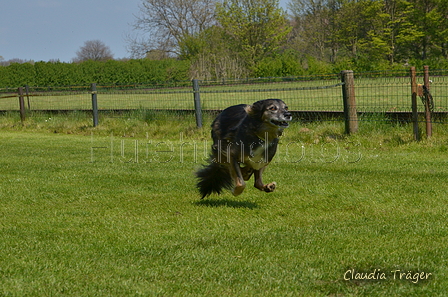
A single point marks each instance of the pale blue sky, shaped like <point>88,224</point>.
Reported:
<point>43,30</point>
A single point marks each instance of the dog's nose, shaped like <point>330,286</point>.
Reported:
<point>287,115</point>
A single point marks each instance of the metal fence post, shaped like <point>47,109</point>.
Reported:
<point>197,103</point>
<point>414,103</point>
<point>21,104</point>
<point>348,94</point>
<point>94,105</point>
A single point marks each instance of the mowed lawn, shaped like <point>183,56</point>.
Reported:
<point>112,216</point>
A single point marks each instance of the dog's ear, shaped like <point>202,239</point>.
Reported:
<point>256,109</point>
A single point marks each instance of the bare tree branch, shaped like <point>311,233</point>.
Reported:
<point>164,23</point>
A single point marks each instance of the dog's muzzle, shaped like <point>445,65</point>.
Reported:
<point>283,123</point>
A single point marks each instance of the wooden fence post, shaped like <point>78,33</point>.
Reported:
<point>27,90</point>
<point>414,89</point>
<point>427,103</point>
<point>22,105</point>
<point>197,103</point>
<point>94,105</point>
<point>348,94</point>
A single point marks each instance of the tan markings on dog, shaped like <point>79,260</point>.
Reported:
<point>258,159</point>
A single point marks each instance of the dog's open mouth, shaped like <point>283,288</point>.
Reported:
<point>283,124</point>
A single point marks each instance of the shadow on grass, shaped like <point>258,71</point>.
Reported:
<point>226,203</point>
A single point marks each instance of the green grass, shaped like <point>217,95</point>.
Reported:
<point>129,226</point>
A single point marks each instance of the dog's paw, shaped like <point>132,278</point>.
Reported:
<point>270,187</point>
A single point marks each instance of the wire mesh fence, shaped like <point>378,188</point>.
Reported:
<point>301,95</point>
<point>311,97</point>
<point>382,94</point>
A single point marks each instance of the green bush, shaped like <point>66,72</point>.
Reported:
<point>85,73</point>
<point>145,71</point>
<point>283,65</point>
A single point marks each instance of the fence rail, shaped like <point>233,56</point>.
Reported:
<point>313,97</point>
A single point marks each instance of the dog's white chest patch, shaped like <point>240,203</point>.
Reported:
<point>258,158</point>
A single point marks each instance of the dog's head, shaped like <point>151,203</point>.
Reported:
<point>272,112</point>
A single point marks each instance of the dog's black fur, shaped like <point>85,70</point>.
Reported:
<point>245,139</point>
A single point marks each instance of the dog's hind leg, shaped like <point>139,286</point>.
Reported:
<point>238,180</point>
<point>259,182</point>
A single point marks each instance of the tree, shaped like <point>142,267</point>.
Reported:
<point>246,32</point>
<point>165,23</point>
<point>314,27</point>
<point>94,50</point>
<point>430,18</point>
<point>253,28</point>
<point>400,31</point>
<point>211,56</point>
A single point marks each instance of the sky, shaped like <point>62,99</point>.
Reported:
<point>44,30</point>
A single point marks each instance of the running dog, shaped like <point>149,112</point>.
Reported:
<point>245,139</point>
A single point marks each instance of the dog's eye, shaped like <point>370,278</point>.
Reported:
<point>286,107</point>
<point>273,108</point>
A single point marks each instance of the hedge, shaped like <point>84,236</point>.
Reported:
<point>103,73</point>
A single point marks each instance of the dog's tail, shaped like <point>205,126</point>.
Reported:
<point>212,179</point>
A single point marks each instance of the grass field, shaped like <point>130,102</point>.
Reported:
<point>100,213</point>
<point>372,94</point>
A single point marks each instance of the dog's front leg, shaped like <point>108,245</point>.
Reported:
<point>237,177</point>
<point>259,182</point>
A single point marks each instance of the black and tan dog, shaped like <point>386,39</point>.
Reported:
<point>245,139</point>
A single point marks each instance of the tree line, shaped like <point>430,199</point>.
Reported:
<point>234,38</point>
<point>371,34</point>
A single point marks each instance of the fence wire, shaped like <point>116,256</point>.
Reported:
<point>311,97</point>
